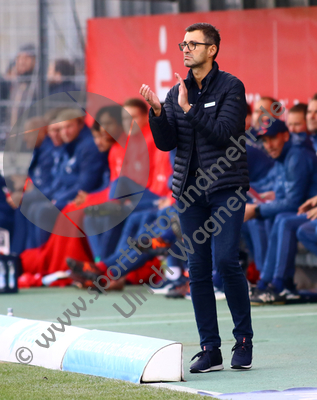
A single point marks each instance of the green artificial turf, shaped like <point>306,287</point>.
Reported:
<point>25,382</point>
<point>285,351</point>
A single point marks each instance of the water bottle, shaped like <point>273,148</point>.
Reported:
<point>3,272</point>
<point>11,274</point>
<point>10,312</point>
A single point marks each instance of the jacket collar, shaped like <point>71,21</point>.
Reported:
<point>207,79</point>
<point>70,147</point>
<point>285,150</point>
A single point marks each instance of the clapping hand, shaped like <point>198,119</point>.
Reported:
<point>151,98</point>
<point>182,94</point>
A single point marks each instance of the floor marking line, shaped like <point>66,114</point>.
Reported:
<point>253,310</point>
<point>193,320</point>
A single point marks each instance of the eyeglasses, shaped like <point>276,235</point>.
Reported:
<point>191,45</point>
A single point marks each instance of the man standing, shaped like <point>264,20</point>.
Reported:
<point>203,117</point>
<point>24,88</point>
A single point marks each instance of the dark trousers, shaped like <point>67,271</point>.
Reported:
<point>282,247</point>
<point>222,249</point>
<point>307,234</point>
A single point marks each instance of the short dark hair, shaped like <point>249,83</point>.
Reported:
<point>271,99</point>
<point>113,111</point>
<point>135,102</point>
<point>65,67</point>
<point>210,32</point>
<point>299,108</point>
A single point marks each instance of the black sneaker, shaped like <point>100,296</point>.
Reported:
<point>209,360</point>
<point>261,297</point>
<point>178,292</point>
<point>242,356</point>
<point>168,285</point>
<point>158,247</point>
<point>84,269</point>
<point>272,296</point>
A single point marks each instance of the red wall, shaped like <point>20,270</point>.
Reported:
<point>273,52</point>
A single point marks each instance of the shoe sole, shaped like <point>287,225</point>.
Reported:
<point>174,296</point>
<point>241,366</point>
<point>274,303</point>
<point>163,290</point>
<point>214,368</point>
<point>255,303</point>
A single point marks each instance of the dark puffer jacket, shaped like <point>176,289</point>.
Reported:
<point>216,119</point>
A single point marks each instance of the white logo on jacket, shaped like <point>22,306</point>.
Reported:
<point>213,103</point>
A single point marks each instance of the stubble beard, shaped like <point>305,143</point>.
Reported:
<point>192,64</point>
<point>312,127</point>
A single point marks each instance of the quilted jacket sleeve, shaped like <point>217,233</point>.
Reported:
<point>164,127</point>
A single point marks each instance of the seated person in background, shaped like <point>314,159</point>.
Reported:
<point>266,103</point>
<point>6,211</point>
<point>60,76</point>
<point>37,142</point>
<point>156,186</point>
<point>296,123</point>
<point>311,119</point>
<point>295,171</point>
<point>296,118</point>
<point>80,168</point>
<point>280,259</point>
<point>259,165</point>
<point>130,163</point>
<point>137,223</point>
<point>30,197</point>
<point>307,232</point>
<point>51,257</point>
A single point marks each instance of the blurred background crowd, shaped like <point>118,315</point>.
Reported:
<point>71,182</point>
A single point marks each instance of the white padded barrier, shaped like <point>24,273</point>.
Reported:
<point>109,354</point>
<point>16,333</point>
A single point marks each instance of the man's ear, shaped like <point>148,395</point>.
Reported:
<point>286,136</point>
<point>212,50</point>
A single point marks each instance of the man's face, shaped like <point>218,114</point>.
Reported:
<point>201,55</point>
<point>110,125</point>
<point>311,116</point>
<point>52,75</point>
<point>54,133</point>
<point>24,63</point>
<point>70,129</point>
<point>34,137</point>
<point>274,144</point>
<point>102,140</point>
<point>296,122</point>
<point>257,112</point>
<point>30,138</point>
<point>140,119</point>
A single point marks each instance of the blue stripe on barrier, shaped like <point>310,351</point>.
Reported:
<point>111,355</point>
